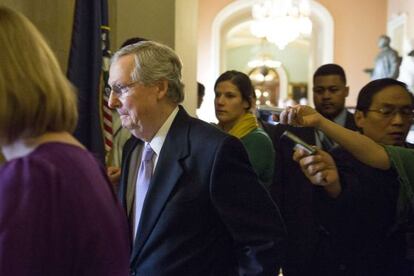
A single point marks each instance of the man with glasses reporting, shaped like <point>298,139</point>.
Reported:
<point>370,232</point>
<point>291,189</point>
<point>384,112</point>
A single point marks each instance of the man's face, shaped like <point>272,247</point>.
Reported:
<point>329,93</point>
<point>391,129</point>
<point>137,105</point>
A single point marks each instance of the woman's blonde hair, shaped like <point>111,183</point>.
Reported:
<point>35,96</point>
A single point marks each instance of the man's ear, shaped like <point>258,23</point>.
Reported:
<point>346,91</point>
<point>162,88</point>
<point>359,118</point>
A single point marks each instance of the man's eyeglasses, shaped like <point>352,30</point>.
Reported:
<point>119,90</point>
<point>389,112</point>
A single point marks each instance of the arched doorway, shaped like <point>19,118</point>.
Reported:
<point>239,12</point>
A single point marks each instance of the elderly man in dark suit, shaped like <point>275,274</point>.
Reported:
<point>291,190</point>
<point>193,201</point>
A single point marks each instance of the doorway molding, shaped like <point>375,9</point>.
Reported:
<point>321,46</point>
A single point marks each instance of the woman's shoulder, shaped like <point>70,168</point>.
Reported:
<point>258,141</point>
<point>45,163</point>
<point>258,134</point>
<point>25,185</point>
<point>22,173</point>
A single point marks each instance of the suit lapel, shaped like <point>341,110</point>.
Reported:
<point>123,187</point>
<point>350,121</point>
<point>166,175</point>
<point>134,163</point>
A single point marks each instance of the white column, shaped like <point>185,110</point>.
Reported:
<point>186,22</point>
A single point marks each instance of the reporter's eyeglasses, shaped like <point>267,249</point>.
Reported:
<point>390,112</point>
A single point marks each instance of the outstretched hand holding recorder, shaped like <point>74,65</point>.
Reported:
<point>317,165</point>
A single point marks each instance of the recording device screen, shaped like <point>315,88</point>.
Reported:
<point>298,143</point>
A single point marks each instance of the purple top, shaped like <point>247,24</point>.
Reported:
<point>60,216</point>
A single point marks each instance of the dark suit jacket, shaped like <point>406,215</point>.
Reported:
<point>365,239</point>
<point>294,194</point>
<point>205,212</point>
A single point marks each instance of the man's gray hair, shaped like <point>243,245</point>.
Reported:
<point>155,62</point>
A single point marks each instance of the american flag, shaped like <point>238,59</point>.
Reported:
<point>88,71</point>
<point>106,111</point>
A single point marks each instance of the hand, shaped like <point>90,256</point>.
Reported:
<point>301,115</point>
<point>275,117</point>
<point>320,169</point>
<point>114,175</point>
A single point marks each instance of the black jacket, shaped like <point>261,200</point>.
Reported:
<point>295,197</point>
<point>205,212</point>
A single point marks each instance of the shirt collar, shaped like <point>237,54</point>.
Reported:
<point>341,118</point>
<point>157,141</point>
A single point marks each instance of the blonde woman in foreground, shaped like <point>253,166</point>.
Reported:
<point>58,213</point>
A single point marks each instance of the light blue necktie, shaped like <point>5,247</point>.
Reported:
<point>143,181</point>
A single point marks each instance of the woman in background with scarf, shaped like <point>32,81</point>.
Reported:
<point>233,102</point>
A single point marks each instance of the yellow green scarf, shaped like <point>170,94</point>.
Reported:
<point>244,125</point>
